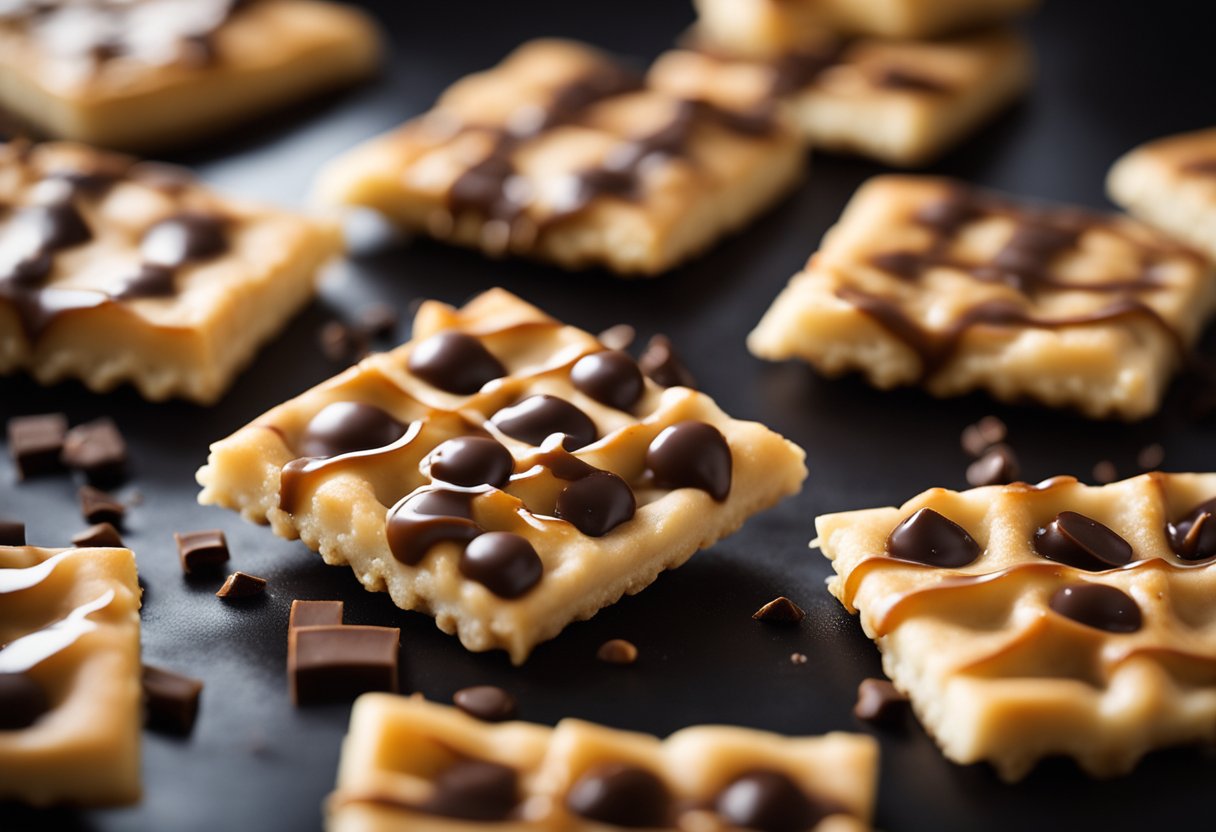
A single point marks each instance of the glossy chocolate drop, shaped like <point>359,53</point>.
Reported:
<point>691,454</point>
<point>1101,607</point>
<point>345,427</point>
<point>184,238</point>
<point>502,562</point>
<point>455,362</point>
<point>621,795</point>
<point>429,517</point>
<point>22,701</point>
<point>930,538</point>
<point>767,801</point>
<point>597,504</point>
<point>474,790</point>
<point>488,703</point>
<point>1081,542</point>
<point>1194,536</point>
<point>470,461</point>
<point>536,418</point>
<point>610,377</point>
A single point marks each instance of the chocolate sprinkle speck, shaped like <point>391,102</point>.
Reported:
<point>617,651</point>
<point>780,610</point>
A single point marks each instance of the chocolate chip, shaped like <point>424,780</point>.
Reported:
<point>502,562</point>
<point>150,281</point>
<point>691,454</point>
<point>474,790</point>
<point>36,442</point>
<point>426,518</point>
<point>880,703</point>
<point>1194,536</point>
<point>184,238</point>
<point>780,610</point>
<point>454,362</point>
<point>240,586</point>
<point>170,700</point>
<point>336,664</point>
<point>486,702</point>
<point>981,436</point>
<point>617,651</point>
<point>928,537</point>
<point>618,337</point>
<point>315,614</point>
<point>346,427</point>
<point>1081,542</point>
<point>1105,472</point>
<point>536,418</point>
<point>1101,607</point>
<point>22,701</point>
<point>201,551</point>
<point>341,344</point>
<point>1150,457</point>
<point>12,533</point>
<point>619,794</point>
<point>663,366</point>
<point>610,377</point>
<point>596,504</point>
<point>97,506</point>
<point>102,535</point>
<point>97,450</point>
<point>767,801</point>
<point>998,466</point>
<point>470,461</point>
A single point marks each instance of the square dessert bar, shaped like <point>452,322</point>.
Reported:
<point>142,74</point>
<point>1026,621</point>
<point>408,762</point>
<point>502,472</point>
<point>562,154</point>
<point>770,27</point>
<point>113,270</point>
<point>1171,183</point>
<point>70,706</point>
<point>902,102</point>
<point>929,281</point>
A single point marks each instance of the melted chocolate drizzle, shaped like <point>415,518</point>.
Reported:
<point>427,517</point>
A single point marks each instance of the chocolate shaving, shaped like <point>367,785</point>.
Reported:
<point>780,610</point>
<point>241,586</point>
<point>99,535</point>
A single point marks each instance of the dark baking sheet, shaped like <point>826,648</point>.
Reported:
<point>256,763</point>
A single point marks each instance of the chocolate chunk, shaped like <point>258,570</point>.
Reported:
<point>97,450</point>
<point>536,418</point>
<point>998,466</point>
<point>170,700</point>
<point>618,337</point>
<point>502,562</point>
<point>1105,472</point>
<point>1194,536</point>
<point>474,790</point>
<point>1150,457</point>
<point>336,664</point>
<point>610,377</point>
<point>1101,607</point>
<point>929,538</point>
<point>691,454</point>
<point>470,461</point>
<point>428,517</point>
<point>240,586</point>
<point>619,794</point>
<point>378,321</point>
<point>99,535</point>
<point>97,506</point>
<point>596,504</point>
<point>315,614</point>
<point>455,362</point>
<point>184,238</point>
<point>12,533</point>
<point>1081,542</point>
<point>341,344</point>
<point>201,551</point>
<point>22,701</point>
<point>768,801</point>
<point>880,703</point>
<point>780,610</point>
<point>663,366</point>
<point>149,281</point>
<point>983,435</point>
<point>486,702</point>
<point>36,443</point>
<point>346,427</point>
<point>617,651</point>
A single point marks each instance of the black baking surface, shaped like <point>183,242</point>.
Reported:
<point>253,762</point>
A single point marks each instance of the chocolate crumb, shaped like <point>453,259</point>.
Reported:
<point>880,703</point>
<point>12,533</point>
<point>798,658</point>
<point>97,506</point>
<point>241,585</point>
<point>617,651</point>
<point>998,466</point>
<point>201,550</point>
<point>36,443</point>
<point>618,337</point>
<point>378,321</point>
<point>170,700</point>
<point>98,450</point>
<point>99,535</point>
<point>341,344</point>
<point>982,435</point>
<point>488,703</point>
<point>780,610</point>
<point>1151,457</point>
<point>1105,472</point>
<point>661,364</point>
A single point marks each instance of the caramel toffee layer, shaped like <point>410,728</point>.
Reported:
<point>58,216</point>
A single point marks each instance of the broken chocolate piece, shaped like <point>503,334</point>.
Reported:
<point>617,651</point>
<point>36,443</point>
<point>12,533</point>
<point>97,506</point>
<point>99,535</point>
<point>336,664</point>
<point>663,366</point>
<point>201,550</point>
<point>97,450</point>
<point>998,466</point>
<point>240,586</point>
<point>315,614</point>
<point>880,703</point>
<point>170,700</point>
<point>780,610</point>
<point>486,702</point>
